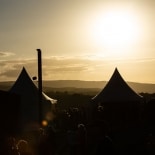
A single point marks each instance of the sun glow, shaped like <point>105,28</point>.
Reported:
<point>115,29</point>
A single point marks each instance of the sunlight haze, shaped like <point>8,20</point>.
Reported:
<point>80,40</point>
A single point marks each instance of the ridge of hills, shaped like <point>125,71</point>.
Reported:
<point>77,86</point>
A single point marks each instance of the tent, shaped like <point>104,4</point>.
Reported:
<point>121,103</point>
<point>117,90</point>
<point>29,107</point>
<point>9,113</point>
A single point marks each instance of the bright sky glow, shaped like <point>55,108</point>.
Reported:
<point>115,29</point>
<point>83,40</point>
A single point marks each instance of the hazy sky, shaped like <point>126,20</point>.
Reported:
<point>80,39</point>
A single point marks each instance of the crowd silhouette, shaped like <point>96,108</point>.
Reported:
<point>73,133</point>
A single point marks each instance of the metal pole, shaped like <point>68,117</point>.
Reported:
<point>40,85</point>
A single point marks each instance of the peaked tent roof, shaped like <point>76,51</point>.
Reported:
<point>117,90</point>
<point>29,107</point>
<point>24,84</point>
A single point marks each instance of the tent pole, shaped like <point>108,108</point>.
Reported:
<point>40,85</point>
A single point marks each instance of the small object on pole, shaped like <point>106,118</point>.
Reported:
<point>40,85</point>
<point>34,78</point>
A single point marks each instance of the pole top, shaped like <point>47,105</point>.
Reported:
<point>39,50</point>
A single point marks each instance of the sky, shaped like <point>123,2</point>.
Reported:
<point>80,39</point>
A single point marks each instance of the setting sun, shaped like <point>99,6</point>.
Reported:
<point>80,40</point>
<point>115,29</point>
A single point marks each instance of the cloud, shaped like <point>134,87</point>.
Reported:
<point>6,54</point>
<point>62,68</point>
<point>132,60</point>
<point>57,66</point>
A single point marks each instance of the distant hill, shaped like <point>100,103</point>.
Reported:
<point>77,86</point>
<point>6,85</point>
<point>96,85</point>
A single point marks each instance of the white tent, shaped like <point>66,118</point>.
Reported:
<point>29,107</point>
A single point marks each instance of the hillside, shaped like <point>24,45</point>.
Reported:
<point>138,87</point>
<point>83,86</point>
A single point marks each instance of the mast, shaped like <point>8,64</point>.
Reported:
<point>40,85</point>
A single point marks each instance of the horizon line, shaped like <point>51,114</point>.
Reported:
<point>85,81</point>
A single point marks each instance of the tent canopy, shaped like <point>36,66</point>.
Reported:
<point>24,85</point>
<point>117,90</point>
<point>29,100</point>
